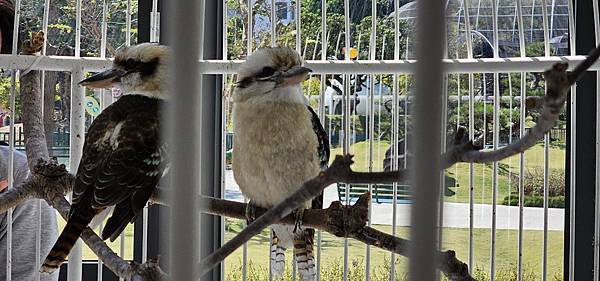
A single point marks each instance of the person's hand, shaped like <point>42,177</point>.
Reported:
<point>3,185</point>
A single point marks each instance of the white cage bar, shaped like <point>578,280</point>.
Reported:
<point>350,69</point>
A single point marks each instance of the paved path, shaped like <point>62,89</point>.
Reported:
<point>455,214</point>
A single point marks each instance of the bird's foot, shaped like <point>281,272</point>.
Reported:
<point>298,215</point>
<point>250,212</point>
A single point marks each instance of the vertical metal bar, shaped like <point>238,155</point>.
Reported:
<point>532,18</point>
<point>11,141</point>
<point>78,28</point>
<point>395,129</point>
<point>572,157</point>
<point>38,229</point>
<point>495,132</point>
<point>371,123</point>
<point>45,25</point>
<point>128,26</point>
<point>471,174</point>
<point>11,168</point>
<point>104,29</point>
<point>429,70</point>
<point>545,27</point>
<point>545,232</point>
<point>185,138</point>
<point>77,132</point>
<point>250,38</point>
<point>224,112</point>
<point>468,40</point>
<point>322,113</point>
<point>250,31</point>
<point>597,205</point>
<point>154,22</point>
<point>521,133</point>
<point>546,152</point>
<point>346,117</point>
<point>100,264</point>
<point>298,26</point>
<point>273,25</point>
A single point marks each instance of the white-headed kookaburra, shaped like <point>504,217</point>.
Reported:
<point>123,154</point>
<point>278,144</point>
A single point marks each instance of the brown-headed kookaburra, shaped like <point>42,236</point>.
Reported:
<point>123,155</point>
<point>278,144</point>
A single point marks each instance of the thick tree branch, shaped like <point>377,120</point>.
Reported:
<point>343,221</point>
<point>558,83</point>
<point>32,102</point>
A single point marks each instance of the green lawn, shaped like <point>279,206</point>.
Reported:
<point>115,246</point>
<point>454,238</point>
<point>482,176</point>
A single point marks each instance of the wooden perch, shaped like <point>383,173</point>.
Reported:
<point>344,221</point>
<point>558,83</point>
<point>352,224</point>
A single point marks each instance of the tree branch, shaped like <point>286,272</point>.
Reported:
<point>342,221</point>
<point>32,102</point>
<point>558,83</point>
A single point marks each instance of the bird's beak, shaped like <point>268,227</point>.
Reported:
<point>294,76</point>
<point>103,80</point>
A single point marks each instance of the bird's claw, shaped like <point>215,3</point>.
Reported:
<point>250,213</point>
<point>298,215</point>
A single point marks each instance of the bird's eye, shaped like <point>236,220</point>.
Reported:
<point>266,72</point>
<point>131,63</point>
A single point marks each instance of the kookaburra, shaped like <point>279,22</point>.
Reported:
<point>123,155</point>
<point>278,144</point>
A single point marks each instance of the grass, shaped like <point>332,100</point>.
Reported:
<point>456,239</point>
<point>483,173</point>
<point>87,254</point>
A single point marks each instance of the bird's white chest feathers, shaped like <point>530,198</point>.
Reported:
<point>112,136</point>
<point>274,150</point>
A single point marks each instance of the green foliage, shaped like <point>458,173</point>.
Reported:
<point>5,91</point>
<point>535,201</point>
<point>533,182</point>
<point>334,270</point>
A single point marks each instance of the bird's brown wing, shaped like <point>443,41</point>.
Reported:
<point>122,173</point>
<point>322,150</point>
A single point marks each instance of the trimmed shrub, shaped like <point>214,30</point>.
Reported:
<point>533,183</point>
<point>535,201</point>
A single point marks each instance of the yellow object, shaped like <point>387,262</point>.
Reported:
<point>353,53</point>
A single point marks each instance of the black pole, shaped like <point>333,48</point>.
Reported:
<point>211,132</point>
<point>585,155</point>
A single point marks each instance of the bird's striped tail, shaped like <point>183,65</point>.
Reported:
<point>303,251</point>
<point>277,257</point>
<point>65,242</point>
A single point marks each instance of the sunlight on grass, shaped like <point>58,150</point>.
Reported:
<point>115,246</point>
<point>482,176</point>
<point>454,238</point>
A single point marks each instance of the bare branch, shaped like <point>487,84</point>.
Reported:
<point>32,102</point>
<point>558,83</point>
<point>343,221</point>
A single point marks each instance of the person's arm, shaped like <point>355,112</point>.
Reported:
<point>25,234</point>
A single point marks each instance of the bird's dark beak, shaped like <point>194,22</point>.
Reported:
<point>103,80</point>
<point>294,76</point>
